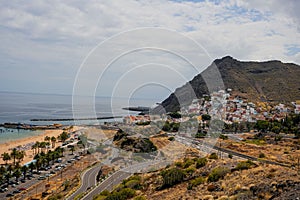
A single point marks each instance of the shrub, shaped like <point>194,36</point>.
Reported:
<point>200,135</point>
<point>201,162</point>
<point>223,137</point>
<point>230,156</point>
<point>179,164</point>
<point>172,176</point>
<point>213,156</point>
<point>217,173</point>
<point>262,155</point>
<point>244,165</point>
<point>125,193</point>
<point>187,163</point>
<point>143,123</point>
<point>190,170</point>
<point>140,198</point>
<point>171,138</point>
<point>166,127</point>
<point>195,182</point>
<point>105,193</point>
<point>133,184</point>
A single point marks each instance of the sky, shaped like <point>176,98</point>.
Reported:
<point>143,49</point>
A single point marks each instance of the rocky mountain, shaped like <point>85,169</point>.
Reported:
<point>271,81</point>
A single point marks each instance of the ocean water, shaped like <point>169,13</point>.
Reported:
<point>22,107</point>
<point>7,135</point>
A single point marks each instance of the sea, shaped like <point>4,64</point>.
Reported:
<point>22,107</point>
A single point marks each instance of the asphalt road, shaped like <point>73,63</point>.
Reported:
<point>117,177</point>
<point>88,179</point>
<point>204,145</point>
<point>108,184</point>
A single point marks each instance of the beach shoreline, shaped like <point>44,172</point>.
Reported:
<point>26,143</point>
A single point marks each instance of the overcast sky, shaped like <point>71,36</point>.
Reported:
<point>44,43</point>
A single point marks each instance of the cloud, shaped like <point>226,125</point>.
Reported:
<point>48,39</point>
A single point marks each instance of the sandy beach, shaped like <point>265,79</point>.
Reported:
<point>26,143</point>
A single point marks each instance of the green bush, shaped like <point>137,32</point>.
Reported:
<point>190,170</point>
<point>171,138</point>
<point>143,123</point>
<point>179,164</point>
<point>133,184</point>
<point>244,165</point>
<point>213,156</point>
<point>123,194</point>
<point>105,193</point>
<point>140,198</point>
<point>200,135</point>
<point>187,163</point>
<point>172,176</point>
<point>166,127</point>
<point>217,174</point>
<point>56,197</point>
<point>261,155</point>
<point>201,162</point>
<point>223,137</point>
<point>230,156</point>
<point>195,182</point>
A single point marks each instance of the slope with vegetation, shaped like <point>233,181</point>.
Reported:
<point>257,81</point>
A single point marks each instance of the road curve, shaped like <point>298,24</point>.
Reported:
<point>108,184</point>
<point>117,177</point>
<point>88,179</point>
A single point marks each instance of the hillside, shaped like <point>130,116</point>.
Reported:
<point>271,81</point>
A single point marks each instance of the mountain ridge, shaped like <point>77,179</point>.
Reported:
<point>271,81</point>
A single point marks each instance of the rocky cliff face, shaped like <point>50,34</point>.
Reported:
<point>272,81</point>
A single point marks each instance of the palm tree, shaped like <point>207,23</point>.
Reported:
<point>60,151</point>
<point>31,166</point>
<point>55,155</point>
<point>38,163</point>
<point>14,155</point>
<point>7,176</point>
<point>47,146</point>
<point>21,155</point>
<point>42,145</point>
<point>2,170</point>
<point>10,168</point>
<point>24,169</point>
<point>47,138</point>
<point>53,140</point>
<point>17,173</point>
<point>6,157</point>
<point>64,136</point>
<point>48,157</point>
<point>36,146</point>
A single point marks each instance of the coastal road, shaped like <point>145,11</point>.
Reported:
<point>108,184</point>
<point>88,179</point>
<point>204,145</point>
<point>117,177</point>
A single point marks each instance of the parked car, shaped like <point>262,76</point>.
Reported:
<point>42,178</point>
<point>16,191</point>
<point>4,188</point>
<point>10,195</point>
